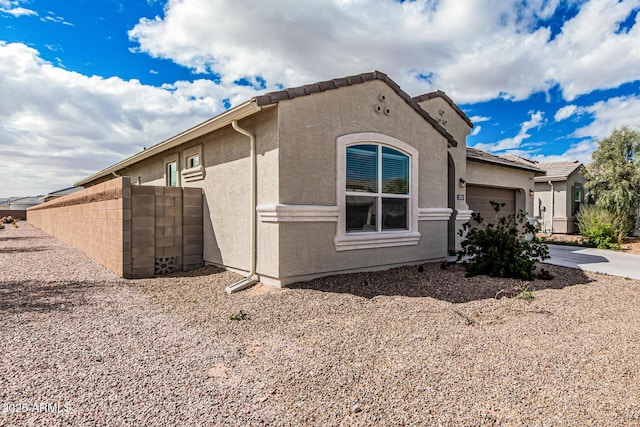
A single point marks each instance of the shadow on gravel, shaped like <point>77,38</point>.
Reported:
<point>430,280</point>
<point>10,238</point>
<point>23,249</point>
<point>35,296</point>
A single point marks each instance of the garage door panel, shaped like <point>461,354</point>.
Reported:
<point>479,199</point>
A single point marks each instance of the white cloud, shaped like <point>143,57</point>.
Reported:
<point>475,51</point>
<point>12,7</point>
<point>58,126</point>
<point>476,130</point>
<point>565,112</point>
<point>535,121</point>
<point>608,115</point>
<point>580,151</point>
<point>479,119</point>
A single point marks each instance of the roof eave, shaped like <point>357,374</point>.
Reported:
<point>240,112</point>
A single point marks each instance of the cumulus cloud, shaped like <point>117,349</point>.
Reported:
<point>536,119</point>
<point>608,115</point>
<point>474,51</point>
<point>479,119</point>
<point>81,124</point>
<point>12,7</point>
<point>476,130</point>
<point>565,112</point>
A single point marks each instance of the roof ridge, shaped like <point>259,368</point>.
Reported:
<point>438,93</point>
<point>336,83</point>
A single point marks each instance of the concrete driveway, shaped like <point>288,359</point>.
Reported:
<point>596,260</point>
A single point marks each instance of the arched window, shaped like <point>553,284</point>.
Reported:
<point>377,192</point>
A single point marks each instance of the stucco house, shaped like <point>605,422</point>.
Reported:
<point>559,193</point>
<point>344,175</point>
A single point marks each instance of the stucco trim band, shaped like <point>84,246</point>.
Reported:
<point>297,213</point>
<point>434,214</point>
<point>463,215</point>
<point>376,240</point>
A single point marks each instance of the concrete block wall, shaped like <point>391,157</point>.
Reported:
<point>135,231</point>
<point>93,221</point>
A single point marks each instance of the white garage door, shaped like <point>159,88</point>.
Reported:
<point>479,198</point>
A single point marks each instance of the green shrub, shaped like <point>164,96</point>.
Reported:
<point>508,248</point>
<point>603,228</point>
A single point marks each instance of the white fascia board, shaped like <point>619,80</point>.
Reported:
<point>218,122</point>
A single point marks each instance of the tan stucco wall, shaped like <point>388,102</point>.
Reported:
<point>226,189</point>
<point>503,177</point>
<point>309,128</point>
<point>310,125</point>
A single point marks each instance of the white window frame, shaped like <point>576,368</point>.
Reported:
<point>171,159</point>
<point>195,173</point>
<point>377,239</point>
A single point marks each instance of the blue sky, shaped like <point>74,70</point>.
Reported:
<point>86,83</point>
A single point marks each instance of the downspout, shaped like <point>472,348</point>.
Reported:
<point>553,198</point>
<point>249,279</point>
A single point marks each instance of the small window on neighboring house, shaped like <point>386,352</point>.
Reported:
<point>172,174</point>
<point>577,199</point>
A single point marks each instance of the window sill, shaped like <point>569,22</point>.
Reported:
<point>193,174</point>
<point>347,242</point>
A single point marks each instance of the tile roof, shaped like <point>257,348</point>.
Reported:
<point>480,156</point>
<point>441,94</point>
<point>558,171</point>
<point>295,92</point>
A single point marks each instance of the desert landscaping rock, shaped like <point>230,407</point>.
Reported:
<point>79,346</point>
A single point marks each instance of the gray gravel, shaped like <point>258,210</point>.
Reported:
<point>79,346</point>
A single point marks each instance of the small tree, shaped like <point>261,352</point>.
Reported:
<point>613,176</point>
<point>508,248</point>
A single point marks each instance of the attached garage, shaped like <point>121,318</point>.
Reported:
<point>479,199</point>
<point>494,178</point>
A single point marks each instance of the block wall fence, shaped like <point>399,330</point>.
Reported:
<point>135,231</point>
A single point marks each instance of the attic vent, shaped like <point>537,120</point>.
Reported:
<point>441,112</point>
<point>382,97</point>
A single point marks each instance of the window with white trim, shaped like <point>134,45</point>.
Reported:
<point>172,171</point>
<point>377,192</point>
<point>172,174</point>
<point>377,188</point>
<point>193,167</point>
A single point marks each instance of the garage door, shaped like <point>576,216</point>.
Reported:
<point>479,198</point>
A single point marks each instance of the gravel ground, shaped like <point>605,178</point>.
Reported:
<point>79,346</point>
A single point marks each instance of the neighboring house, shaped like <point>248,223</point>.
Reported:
<point>558,194</point>
<point>345,175</point>
<point>492,178</point>
<point>60,193</point>
<point>22,203</point>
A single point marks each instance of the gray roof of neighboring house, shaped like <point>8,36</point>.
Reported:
<point>558,171</point>
<point>65,191</point>
<point>480,156</point>
<point>295,92</point>
<point>441,94</point>
<point>26,200</point>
